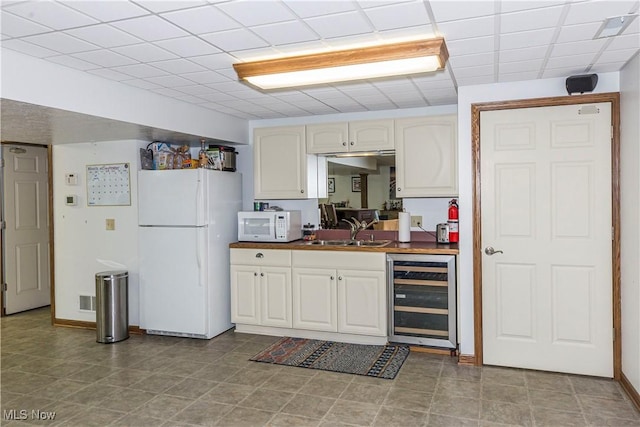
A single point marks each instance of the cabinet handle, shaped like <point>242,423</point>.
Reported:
<point>302,191</point>
<point>331,277</point>
<point>339,277</point>
<point>351,143</point>
<point>255,274</point>
<point>261,274</point>
<point>399,189</point>
<point>344,144</point>
<point>259,255</point>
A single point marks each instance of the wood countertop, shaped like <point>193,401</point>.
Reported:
<point>428,248</point>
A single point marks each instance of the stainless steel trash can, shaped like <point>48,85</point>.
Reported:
<point>112,306</point>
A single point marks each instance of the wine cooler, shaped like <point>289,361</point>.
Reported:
<point>422,299</point>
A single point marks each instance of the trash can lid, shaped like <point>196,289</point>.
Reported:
<point>117,273</point>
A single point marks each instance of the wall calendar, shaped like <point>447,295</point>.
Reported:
<point>108,185</point>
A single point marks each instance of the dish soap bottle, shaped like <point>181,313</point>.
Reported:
<point>203,160</point>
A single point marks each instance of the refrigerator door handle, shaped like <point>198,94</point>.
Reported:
<point>199,256</point>
<point>199,199</point>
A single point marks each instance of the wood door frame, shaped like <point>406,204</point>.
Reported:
<point>476,109</point>
<point>50,219</point>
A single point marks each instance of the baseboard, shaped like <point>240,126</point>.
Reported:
<point>431,350</point>
<point>630,390</point>
<point>467,359</point>
<point>81,324</point>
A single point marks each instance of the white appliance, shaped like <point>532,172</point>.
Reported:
<point>269,226</point>
<point>187,218</point>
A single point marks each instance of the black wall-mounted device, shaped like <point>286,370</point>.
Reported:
<point>582,83</point>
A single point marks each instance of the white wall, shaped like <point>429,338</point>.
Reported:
<point>607,82</point>
<point>82,245</point>
<point>41,82</point>
<point>630,219</point>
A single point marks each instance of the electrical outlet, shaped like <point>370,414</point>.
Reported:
<point>110,224</point>
<point>416,221</point>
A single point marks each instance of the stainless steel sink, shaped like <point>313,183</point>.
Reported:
<point>346,242</point>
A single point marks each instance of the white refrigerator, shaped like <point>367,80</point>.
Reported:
<point>187,218</point>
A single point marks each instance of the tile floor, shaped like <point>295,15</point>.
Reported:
<point>163,381</point>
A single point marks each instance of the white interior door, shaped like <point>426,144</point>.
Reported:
<point>546,211</point>
<point>26,236</point>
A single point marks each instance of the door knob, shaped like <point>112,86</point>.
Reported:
<point>490,251</point>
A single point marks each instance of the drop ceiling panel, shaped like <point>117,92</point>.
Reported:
<point>185,50</point>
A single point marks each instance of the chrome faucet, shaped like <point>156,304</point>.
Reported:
<point>357,226</point>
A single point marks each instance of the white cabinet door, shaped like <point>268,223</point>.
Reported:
<point>314,299</point>
<point>245,294</point>
<point>328,138</point>
<point>280,163</point>
<point>426,157</point>
<point>362,302</point>
<point>275,291</point>
<point>363,135</point>
<point>371,135</point>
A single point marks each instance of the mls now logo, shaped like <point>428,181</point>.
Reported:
<point>23,414</point>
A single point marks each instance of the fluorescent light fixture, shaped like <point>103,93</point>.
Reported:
<point>614,26</point>
<point>414,57</point>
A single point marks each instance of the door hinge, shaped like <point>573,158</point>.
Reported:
<point>3,225</point>
<point>4,286</point>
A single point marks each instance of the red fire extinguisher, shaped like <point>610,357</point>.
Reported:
<point>453,221</point>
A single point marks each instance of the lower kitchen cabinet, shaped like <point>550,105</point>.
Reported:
<point>261,294</point>
<point>344,300</point>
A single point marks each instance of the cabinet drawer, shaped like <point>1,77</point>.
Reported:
<point>259,257</point>
<point>348,260</point>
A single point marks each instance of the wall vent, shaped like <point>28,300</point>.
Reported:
<point>87,303</point>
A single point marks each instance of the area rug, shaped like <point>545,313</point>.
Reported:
<point>380,361</point>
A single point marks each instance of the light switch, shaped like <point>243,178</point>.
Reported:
<point>71,179</point>
<point>110,224</point>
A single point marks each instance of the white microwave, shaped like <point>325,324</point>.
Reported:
<point>269,226</point>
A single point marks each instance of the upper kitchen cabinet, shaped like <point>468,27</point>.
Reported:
<point>426,156</point>
<point>282,167</point>
<point>364,135</point>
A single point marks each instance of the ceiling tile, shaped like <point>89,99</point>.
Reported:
<point>140,71</point>
<point>547,17</point>
<point>104,58</point>
<point>596,11</point>
<point>61,42</point>
<point>145,52</point>
<point>307,9</point>
<point>150,28</point>
<point>576,48</point>
<point>339,25</point>
<point>456,10</point>
<point>104,35</point>
<point>116,9</point>
<point>215,61</point>
<point>475,80</point>
<point>262,12</point>
<point>523,54</point>
<point>285,33</point>
<point>15,26</point>
<point>30,49</point>
<point>581,61</point>
<point>166,5</point>
<point>621,55</point>
<point>625,42</point>
<point>169,81</point>
<point>415,32</point>
<point>467,28</point>
<point>51,14</point>
<point>515,6</point>
<point>472,60</point>
<point>196,90</point>
<point>142,84</point>
<point>168,92</point>
<point>178,66</point>
<point>483,70</point>
<point>513,77</point>
<point>109,74</point>
<point>520,67</point>
<point>398,16</point>
<point>607,68</point>
<point>550,73</point>
<point>525,39</point>
<point>472,45</point>
<point>190,99</point>
<point>574,33</point>
<point>204,77</point>
<point>70,61</point>
<point>234,40</point>
<point>201,20</point>
<point>187,46</point>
